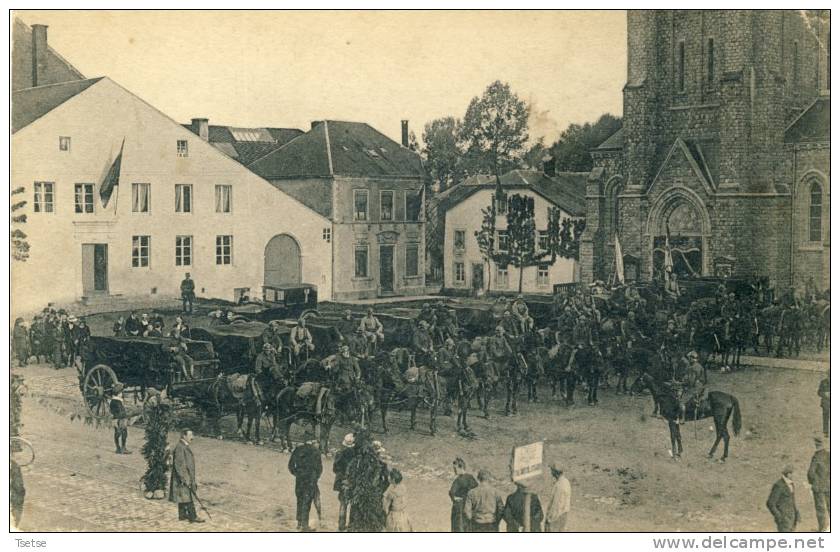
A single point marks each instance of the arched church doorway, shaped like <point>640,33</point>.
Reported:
<point>680,229</point>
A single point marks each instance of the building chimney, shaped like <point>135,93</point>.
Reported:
<point>202,128</point>
<point>39,54</point>
<point>405,133</point>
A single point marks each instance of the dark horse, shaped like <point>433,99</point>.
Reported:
<point>400,385</point>
<point>318,409</point>
<point>718,405</point>
<point>240,393</point>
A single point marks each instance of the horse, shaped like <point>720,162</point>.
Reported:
<point>317,408</point>
<point>395,387</point>
<point>241,393</point>
<point>718,405</point>
<point>484,370</point>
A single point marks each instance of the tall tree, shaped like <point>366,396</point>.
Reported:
<point>522,234</point>
<point>441,150</point>
<point>17,237</point>
<point>486,238</point>
<point>571,150</point>
<point>495,130</point>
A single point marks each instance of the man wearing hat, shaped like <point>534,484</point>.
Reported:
<point>560,502</point>
<point>782,502</point>
<point>305,464</point>
<point>301,342</point>
<point>117,407</point>
<point>426,315</point>
<point>819,477</point>
<point>265,366</point>
<point>483,506</point>
<point>422,341</point>
<point>187,293</point>
<point>182,484</point>
<point>372,329</point>
<point>520,311</point>
<point>510,324</point>
<point>340,464</point>
<point>695,384</point>
<point>824,392</point>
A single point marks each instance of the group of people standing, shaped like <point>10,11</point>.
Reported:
<point>56,336</point>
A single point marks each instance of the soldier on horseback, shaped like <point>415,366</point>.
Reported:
<point>373,332</point>
<point>422,343</point>
<point>694,384</point>
<point>520,312</point>
<point>301,342</point>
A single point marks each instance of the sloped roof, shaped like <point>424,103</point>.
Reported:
<point>57,69</point>
<point>813,124</point>
<point>30,104</point>
<point>247,144</point>
<point>614,142</point>
<point>340,148</point>
<point>565,189</point>
<point>315,193</point>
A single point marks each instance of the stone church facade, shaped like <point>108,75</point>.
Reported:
<point>723,153</point>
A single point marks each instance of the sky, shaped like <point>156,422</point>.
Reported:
<point>286,69</point>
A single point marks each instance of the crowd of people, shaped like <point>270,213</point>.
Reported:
<point>54,336</point>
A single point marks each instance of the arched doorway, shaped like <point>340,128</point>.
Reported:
<point>282,261</point>
<point>680,223</point>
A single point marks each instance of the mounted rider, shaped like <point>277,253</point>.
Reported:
<point>301,342</point>
<point>499,351</point>
<point>267,367</point>
<point>347,374</point>
<point>694,387</point>
<point>422,343</point>
<point>520,312</point>
<point>510,325</point>
<point>373,331</point>
<point>446,323</point>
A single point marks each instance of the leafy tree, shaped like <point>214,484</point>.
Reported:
<point>494,131</point>
<point>159,422</point>
<point>441,150</point>
<point>17,238</point>
<point>522,234</point>
<point>571,150</point>
<point>486,237</point>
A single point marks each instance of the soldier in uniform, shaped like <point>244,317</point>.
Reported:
<point>520,312</point>
<point>301,343</point>
<point>824,392</point>
<point>342,460</point>
<point>427,315</point>
<point>373,331</point>
<point>118,412</point>
<point>446,325</point>
<point>422,343</point>
<point>20,342</point>
<point>347,374</point>
<point>187,293</point>
<point>305,465</point>
<point>511,325</point>
<point>695,384</point>
<point>266,365</point>
<point>819,477</point>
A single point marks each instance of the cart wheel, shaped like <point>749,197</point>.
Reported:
<point>22,451</point>
<point>97,388</point>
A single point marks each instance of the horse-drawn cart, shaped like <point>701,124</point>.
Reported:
<point>140,363</point>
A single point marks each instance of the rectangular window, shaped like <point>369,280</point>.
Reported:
<point>795,65</point>
<point>183,250</point>
<point>224,250</point>
<point>412,260</point>
<point>361,261</point>
<point>63,143</point>
<point>502,277</point>
<point>386,205</point>
<point>502,241</point>
<point>182,148</point>
<point>542,275</point>
<point>140,249</point>
<point>326,234</point>
<point>710,62</point>
<point>542,240</point>
<point>183,198</point>
<point>44,199</point>
<point>501,204</point>
<point>460,273</point>
<point>83,198</point>
<point>413,205</point>
<point>680,62</point>
<point>360,205</point>
<point>460,240</point>
<point>140,196</point>
<point>223,198</point>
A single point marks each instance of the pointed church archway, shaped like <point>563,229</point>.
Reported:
<point>680,219</point>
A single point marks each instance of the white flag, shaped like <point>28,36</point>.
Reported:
<point>619,260</point>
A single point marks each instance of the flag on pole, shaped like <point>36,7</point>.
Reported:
<point>619,260</point>
<point>668,265</point>
<point>112,179</point>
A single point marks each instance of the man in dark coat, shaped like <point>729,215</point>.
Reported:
<point>17,492</point>
<point>187,293</point>
<point>514,512</point>
<point>305,464</point>
<point>824,393</point>
<point>182,485</point>
<point>133,325</point>
<point>782,502</point>
<point>819,477</point>
<point>464,482</point>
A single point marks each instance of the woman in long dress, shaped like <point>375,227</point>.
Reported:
<point>393,502</point>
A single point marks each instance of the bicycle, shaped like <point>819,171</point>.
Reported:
<point>23,453</point>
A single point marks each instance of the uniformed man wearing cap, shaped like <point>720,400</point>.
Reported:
<point>118,412</point>
<point>373,331</point>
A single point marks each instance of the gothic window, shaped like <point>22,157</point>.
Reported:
<point>815,213</point>
<point>680,62</point>
<point>710,63</point>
